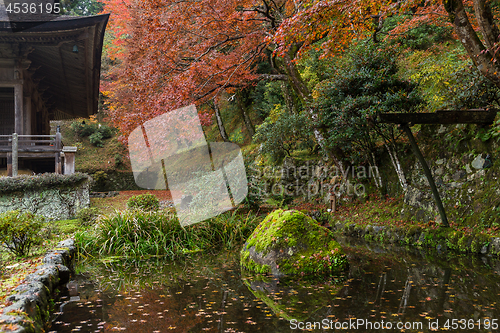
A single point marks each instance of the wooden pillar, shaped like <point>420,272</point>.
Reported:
<point>428,174</point>
<point>14,155</point>
<point>18,108</point>
<point>58,146</point>
<point>9,164</point>
<point>69,160</point>
<point>27,130</point>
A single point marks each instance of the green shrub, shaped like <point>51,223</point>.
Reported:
<point>83,129</point>
<point>281,199</point>
<point>96,139</point>
<point>118,159</point>
<point>96,133</point>
<point>421,37</point>
<point>19,231</point>
<point>87,216</point>
<point>145,202</point>
<point>254,198</point>
<point>106,131</point>
<point>364,84</point>
<point>283,132</point>
<point>100,178</point>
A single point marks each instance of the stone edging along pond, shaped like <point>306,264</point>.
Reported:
<point>29,308</point>
<point>441,239</point>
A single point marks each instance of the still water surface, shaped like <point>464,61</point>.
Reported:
<point>386,289</point>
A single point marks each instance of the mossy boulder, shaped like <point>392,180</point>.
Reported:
<point>289,243</point>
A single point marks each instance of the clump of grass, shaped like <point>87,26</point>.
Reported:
<point>138,233</point>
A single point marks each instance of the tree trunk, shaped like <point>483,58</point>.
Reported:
<point>295,79</point>
<point>397,166</point>
<point>290,105</point>
<point>220,124</point>
<point>487,61</point>
<point>484,17</point>
<point>376,177</point>
<point>246,119</point>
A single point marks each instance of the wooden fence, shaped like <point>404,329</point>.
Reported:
<point>17,146</point>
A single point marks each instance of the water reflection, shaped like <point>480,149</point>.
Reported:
<point>209,294</point>
<point>293,299</point>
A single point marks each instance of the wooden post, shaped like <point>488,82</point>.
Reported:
<point>69,160</point>
<point>15,146</point>
<point>27,130</point>
<point>427,173</point>
<point>9,164</point>
<point>58,144</point>
<point>333,203</point>
<point>18,108</point>
<point>334,183</point>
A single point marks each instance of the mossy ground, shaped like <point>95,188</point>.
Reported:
<point>89,158</point>
<point>303,245</point>
<point>386,211</point>
<point>362,217</point>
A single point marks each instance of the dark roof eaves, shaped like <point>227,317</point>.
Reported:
<point>59,23</point>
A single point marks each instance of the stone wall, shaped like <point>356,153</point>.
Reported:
<point>442,240</point>
<point>53,203</point>
<point>465,170</point>
<point>29,308</point>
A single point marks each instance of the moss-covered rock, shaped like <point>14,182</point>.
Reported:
<point>289,243</point>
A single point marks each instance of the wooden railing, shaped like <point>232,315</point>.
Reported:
<point>30,143</point>
<point>16,146</point>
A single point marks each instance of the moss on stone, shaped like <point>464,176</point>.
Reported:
<point>298,245</point>
<point>252,265</point>
<point>453,239</point>
<point>368,237</point>
<point>434,237</point>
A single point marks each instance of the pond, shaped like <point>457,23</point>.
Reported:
<point>386,288</point>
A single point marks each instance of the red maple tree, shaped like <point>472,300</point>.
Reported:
<point>180,52</point>
<point>176,53</point>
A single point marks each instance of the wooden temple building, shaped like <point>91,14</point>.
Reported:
<point>49,70</point>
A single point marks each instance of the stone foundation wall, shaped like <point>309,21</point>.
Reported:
<point>466,173</point>
<point>52,203</point>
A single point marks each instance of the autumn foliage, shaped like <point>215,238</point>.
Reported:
<point>181,52</point>
<point>174,53</point>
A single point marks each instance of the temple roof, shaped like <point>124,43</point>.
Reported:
<point>63,55</point>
